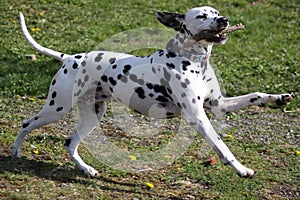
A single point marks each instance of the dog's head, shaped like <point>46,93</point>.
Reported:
<point>196,21</point>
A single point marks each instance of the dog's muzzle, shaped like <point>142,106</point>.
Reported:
<point>216,35</point>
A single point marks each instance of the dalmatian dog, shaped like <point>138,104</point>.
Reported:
<point>178,80</point>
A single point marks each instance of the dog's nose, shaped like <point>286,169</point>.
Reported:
<point>222,20</point>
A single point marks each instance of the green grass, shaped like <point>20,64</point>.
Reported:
<point>264,57</point>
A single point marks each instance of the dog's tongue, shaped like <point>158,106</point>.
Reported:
<point>206,34</point>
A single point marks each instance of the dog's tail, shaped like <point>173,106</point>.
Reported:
<point>49,52</point>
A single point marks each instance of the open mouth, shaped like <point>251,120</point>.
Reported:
<point>216,36</point>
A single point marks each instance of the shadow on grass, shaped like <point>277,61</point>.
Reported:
<point>67,174</point>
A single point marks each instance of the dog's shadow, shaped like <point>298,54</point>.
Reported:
<point>64,174</point>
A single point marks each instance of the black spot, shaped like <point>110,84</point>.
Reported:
<point>59,109</point>
<point>184,85</point>
<point>98,57</point>
<point>167,75</point>
<point>67,142</point>
<point>62,55</point>
<point>53,82</point>
<point>160,53</point>
<point>198,97</point>
<point>63,66</point>
<point>123,78</point>
<point>79,82</point>
<point>97,108</point>
<point>140,81</point>
<point>183,95</point>
<point>193,101</point>
<point>110,88</point>
<point>178,76</point>
<point>170,65</point>
<point>149,85</point>
<point>36,118</point>
<point>151,95</point>
<point>203,16</point>
<point>151,60</point>
<point>54,94</point>
<point>206,100</point>
<point>78,56</point>
<point>65,71</point>
<point>133,77</point>
<point>86,78</point>
<point>99,67</point>
<point>171,55</point>
<point>208,79</point>
<point>252,100</point>
<point>84,71</point>
<point>153,70</point>
<point>169,115</point>
<point>187,81</point>
<point>184,64</point>
<point>83,63</point>
<point>75,65</point>
<point>119,76</point>
<point>141,93</point>
<point>104,78</point>
<point>126,69</point>
<point>162,99</point>
<point>114,66</point>
<point>112,60</point>
<point>51,103</point>
<point>112,81</point>
<point>25,125</point>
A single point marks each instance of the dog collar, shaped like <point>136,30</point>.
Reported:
<point>189,55</point>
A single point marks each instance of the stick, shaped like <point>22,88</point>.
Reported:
<point>208,34</point>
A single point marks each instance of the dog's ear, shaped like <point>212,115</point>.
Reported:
<point>172,20</point>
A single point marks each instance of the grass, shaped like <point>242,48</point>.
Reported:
<point>263,58</point>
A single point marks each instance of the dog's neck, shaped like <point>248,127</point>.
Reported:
<point>190,49</point>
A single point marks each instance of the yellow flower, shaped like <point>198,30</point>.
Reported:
<point>297,152</point>
<point>36,152</point>
<point>35,29</point>
<point>167,157</point>
<point>132,157</point>
<point>31,99</point>
<point>150,185</point>
<point>229,136</point>
<point>41,14</point>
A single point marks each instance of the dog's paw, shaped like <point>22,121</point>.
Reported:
<point>15,152</point>
<point>284,99</point>
<point>247,173</point>
<point>90,171</point>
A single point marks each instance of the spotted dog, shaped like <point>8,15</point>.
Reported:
<point>175,81</point>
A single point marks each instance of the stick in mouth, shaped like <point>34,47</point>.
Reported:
<point>208,34</point>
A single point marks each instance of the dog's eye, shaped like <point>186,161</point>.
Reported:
<point>203,16</point>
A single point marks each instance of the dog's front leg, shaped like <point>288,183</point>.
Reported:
<point>201,123</point>
<point>222,105</point>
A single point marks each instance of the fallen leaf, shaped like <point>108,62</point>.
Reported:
<point>213,161</point>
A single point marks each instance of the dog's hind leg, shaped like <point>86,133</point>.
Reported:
<point>90,115</point>
<point>46,116</point>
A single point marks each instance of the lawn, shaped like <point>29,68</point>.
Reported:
<point>264,58</point>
